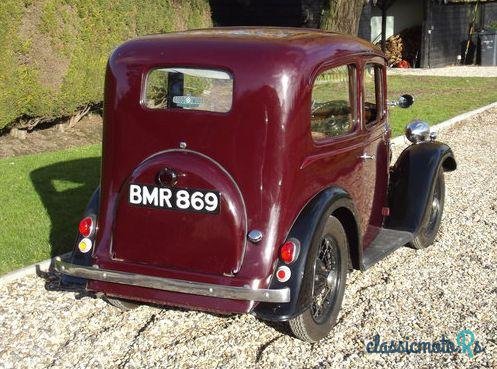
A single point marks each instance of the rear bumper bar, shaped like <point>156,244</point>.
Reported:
<point>173,285</point>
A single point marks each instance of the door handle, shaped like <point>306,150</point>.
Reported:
<point>366,156</point>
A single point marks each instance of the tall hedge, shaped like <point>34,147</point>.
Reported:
<point>53,52</point>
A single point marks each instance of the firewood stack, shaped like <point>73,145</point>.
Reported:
<point>403,49</point>
<point>394,47</point>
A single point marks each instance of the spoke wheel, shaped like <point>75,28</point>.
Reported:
<point>324,282</point>
<point>325,279</point>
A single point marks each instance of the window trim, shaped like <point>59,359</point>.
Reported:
<point>379,95</point>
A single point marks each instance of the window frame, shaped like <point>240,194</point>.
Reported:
<point>354,69</point>
<point>380,94</point>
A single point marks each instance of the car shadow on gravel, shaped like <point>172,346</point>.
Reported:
<point>64,189</point>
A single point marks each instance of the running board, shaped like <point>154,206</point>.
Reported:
<point>386,242</point>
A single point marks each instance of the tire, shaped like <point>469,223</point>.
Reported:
<point>433,214</point>
<point>123,305</point>
<point>329,273</point>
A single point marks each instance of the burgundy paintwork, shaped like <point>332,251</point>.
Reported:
<point>260,156</point>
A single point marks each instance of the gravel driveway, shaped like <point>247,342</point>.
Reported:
<point>422,295</point>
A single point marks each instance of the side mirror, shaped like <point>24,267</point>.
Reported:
<point>404,101</point>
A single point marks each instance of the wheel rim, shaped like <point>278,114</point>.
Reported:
<point>326,279</point>
<point>434,209</point>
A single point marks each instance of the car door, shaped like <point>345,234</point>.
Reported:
<point>376,154</point>
<point>338,138</point>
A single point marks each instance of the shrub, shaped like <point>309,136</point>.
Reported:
<point>53,52</point>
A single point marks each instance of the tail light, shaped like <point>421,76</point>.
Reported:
<point>289,251</point>
<point>86,227</point>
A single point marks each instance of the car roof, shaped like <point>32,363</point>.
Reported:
<point>280,44</point>
<point>303,38</point>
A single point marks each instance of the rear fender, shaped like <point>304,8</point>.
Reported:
<point>77,257</point>
<point>306,228</point>
<point>411,181</point>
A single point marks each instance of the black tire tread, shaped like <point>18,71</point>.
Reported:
<point>419,242</point>
<point>297,326</point>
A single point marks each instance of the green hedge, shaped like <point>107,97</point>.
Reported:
<point>53,52</point>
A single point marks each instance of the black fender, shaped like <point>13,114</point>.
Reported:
<point>411,182</point>
<point>77,257</point>
<point>306,228</point>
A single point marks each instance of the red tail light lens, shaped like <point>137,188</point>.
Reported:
<point>86,227</point>
<point>289,252</point>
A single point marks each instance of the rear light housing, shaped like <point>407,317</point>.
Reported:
<point>289,251</point>
<point>87,227</point>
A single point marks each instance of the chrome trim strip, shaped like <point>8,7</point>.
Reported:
<point>173,285</point>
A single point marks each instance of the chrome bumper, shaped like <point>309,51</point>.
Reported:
<point>173,285</point>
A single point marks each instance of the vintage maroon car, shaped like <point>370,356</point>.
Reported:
<point>247,170</point>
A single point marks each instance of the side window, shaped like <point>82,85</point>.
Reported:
<point>332,112</point>
<point>373,94</point>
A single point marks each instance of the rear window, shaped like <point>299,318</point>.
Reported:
<point>188,88</point>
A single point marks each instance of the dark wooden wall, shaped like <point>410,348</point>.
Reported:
<point>449,29</point>
<point>489,13</point>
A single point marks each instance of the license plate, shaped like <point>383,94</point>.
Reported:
<point>185,199</point>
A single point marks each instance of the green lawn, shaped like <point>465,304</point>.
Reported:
<point>438,98</point>
<point>43,196</point>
